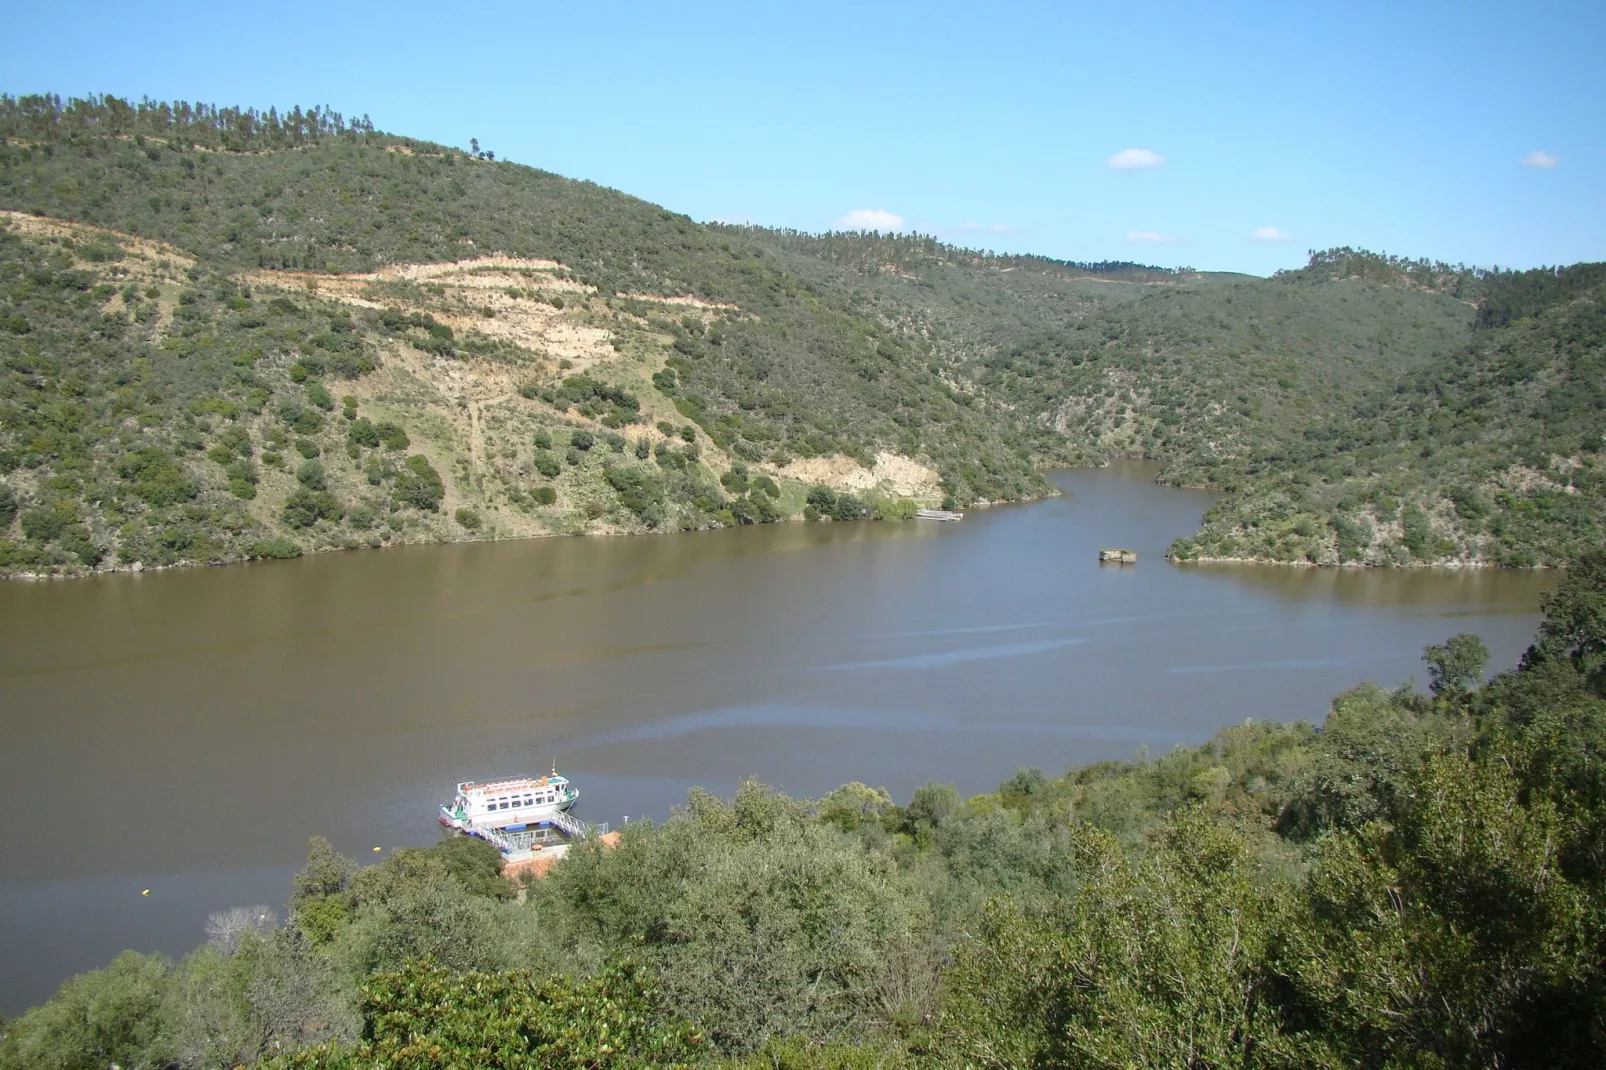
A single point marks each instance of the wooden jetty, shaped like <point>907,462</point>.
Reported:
<point>1119,556</point>
<point>938,514</point>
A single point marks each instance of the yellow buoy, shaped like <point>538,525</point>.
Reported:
<point>146,892</point>
<point>378,849</point>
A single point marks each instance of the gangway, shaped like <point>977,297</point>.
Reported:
<point>576,829</point>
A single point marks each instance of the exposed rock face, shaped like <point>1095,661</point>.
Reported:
<point>893,474</point>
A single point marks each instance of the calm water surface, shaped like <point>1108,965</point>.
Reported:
<point>186,732</point>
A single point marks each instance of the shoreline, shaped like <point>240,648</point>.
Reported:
<point>1360,566</point>
<point>139,567</point>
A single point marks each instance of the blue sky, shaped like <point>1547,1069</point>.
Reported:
<point>1397,127</point>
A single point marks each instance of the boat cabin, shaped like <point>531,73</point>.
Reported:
<point>512,801</point>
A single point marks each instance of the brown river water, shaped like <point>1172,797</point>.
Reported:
<point>187,731</point>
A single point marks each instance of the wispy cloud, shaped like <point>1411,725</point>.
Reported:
<point>1151,237</point>
<point>1540,158</point>
<point>1270,234</point>
<point>869,219</point>
<point>1135,159</point>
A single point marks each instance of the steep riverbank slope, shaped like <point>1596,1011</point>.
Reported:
<point>232,334</point>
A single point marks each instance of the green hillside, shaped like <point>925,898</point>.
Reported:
<point>1490,453</point>
<point>230,334</point>
<point>1205,372</point>
<point>592,363</point>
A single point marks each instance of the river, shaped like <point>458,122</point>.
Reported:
<point>185,732</point>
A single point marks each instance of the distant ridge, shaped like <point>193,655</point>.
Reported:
<point>204,362</point>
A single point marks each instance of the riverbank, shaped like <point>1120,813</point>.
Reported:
<point>881,510</point>
<point>1356,566</point>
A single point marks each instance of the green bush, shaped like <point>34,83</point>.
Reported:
<point>107,1017</point>
<point>157,477</point>
<point>46,523</point>
<point>312,475</point>
<point>827,502</point>
<point>468,519</point>
<point>544,495</point>
<point>1416,531</point>
<point>419,485</point>
<point>1354,537</point>
<point>278,548</point>
<point>362,432</point>
<point>425,1015</point>
<point>392,437</point>
<point>304,508</point>
<point>640,491</point>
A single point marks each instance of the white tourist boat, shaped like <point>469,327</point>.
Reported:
<point>492,806</point>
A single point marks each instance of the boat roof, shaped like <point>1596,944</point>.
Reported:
<point>517,783</point>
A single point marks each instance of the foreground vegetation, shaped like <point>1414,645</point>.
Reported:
<point>229,334</point>
<point>1419,882</point>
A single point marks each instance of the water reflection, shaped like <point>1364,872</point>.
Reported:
<point>1471,591</point>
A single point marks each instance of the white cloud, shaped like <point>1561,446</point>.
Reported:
<point>1540,158</point>
<point>1270,234</point>
<point>869,219</point>
<point>1135,159</point>
<point>1150,237</point>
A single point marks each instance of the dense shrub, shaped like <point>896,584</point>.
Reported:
<point>304,508</point>
<point>362,432</point>
<point>838,506</point>
<point>280,548</point>
<point>640,491</point>
<point>419,485</point>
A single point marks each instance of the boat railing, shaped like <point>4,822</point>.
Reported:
<point>499,839</point>
<point>576,829</point>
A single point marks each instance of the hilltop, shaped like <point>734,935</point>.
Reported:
<point>230,333</point>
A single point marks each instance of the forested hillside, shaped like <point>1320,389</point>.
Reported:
<point>1419,882</point>
<point>229,334</point>
<point>1362,410</point>
<point>1491,452</point>
<point>192,295</point>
